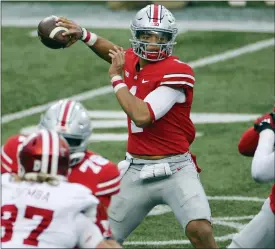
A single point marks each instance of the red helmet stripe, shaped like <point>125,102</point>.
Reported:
<point>64,112</point>
<point>156,13</point>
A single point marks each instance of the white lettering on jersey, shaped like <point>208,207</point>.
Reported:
<point>95,163</point>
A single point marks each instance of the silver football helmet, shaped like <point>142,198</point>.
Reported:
<point>158,20</point>
<point>70,119</point>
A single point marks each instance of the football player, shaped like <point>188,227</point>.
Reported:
<point>70,119</point>
<point>40,209</point>
<point>258,142</point>
<point>156,94</point>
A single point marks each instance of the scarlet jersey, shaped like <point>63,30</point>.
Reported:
<point>102,177</point>
<point>247,146</point>
<point>9,160</point>
<point>39,215</point>
<point>98,174</point>
<point>174,132</point>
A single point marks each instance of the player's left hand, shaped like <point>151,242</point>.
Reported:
<point>265,122</point>
<point>118,60</point>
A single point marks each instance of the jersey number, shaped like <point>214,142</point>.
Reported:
<point>95,163</point>
<point>12,212</point>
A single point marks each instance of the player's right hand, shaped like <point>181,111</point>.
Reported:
<point>267,121</point>
<point>74,30</point>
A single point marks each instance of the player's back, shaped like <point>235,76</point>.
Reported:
<point>41,215</point>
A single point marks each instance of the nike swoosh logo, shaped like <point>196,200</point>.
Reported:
<point>144,81</point>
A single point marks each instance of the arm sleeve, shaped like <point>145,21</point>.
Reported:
<point>263,161</point>
<point>89,235</point>
<point>162,99</point>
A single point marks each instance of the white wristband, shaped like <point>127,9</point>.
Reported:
<point>88,37</point>
<point>117,83</point>
<point>118,86</point>
<point>116,78</point>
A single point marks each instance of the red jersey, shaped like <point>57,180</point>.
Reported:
<point>9,160</point>
<point>247,146</point>
<point>100,175</point>
<point>174,132</point>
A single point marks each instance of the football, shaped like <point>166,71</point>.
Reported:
<point>51,35</point>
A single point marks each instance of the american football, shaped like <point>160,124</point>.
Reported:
<point>51,35</point>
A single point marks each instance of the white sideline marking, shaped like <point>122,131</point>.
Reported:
<point>175,242</point>
<point>37,109</point>
<point>95,137</point>
<point>198,118</point>
<point>162,209</point>
<point>233,53</point>
<point>236,198</point>
<point>185,26</point>
<point>107,89</point>
<point>118,120</point>
<point>192,25</point>
<point>248,217</point>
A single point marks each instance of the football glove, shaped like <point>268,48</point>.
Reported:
<point>267,121</point>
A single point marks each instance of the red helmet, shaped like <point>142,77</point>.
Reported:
<point>46,152</point>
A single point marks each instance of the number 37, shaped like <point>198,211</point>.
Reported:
<point>8,222</point>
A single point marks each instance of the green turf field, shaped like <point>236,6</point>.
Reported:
<point>33,74</point>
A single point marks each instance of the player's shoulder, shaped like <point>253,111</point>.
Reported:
<point>6,179</point>
<point>174,65</point>
<point>74,189</point>
<point>108,177</point>
<point>14,140</point>
<point>130,55</point>
<point>94,169</point>
<point>177,74</point>
<point>9,153</point>
<point>129,51</point>
<point>109,171</point>
<point>77,193</point>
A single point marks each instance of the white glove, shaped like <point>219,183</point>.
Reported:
<point>155,170</point>
<point>123,166</point>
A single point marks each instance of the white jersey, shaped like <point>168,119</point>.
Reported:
<point>38,215</point>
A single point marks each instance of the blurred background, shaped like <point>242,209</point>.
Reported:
<point>229,44</point>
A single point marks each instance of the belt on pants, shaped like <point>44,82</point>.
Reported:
<point>172,159</point>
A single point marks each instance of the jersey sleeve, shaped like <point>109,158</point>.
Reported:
<point>248,142</point>
<point>88,233</point>
<point>102,216</point>
<point>262,167</point>
<point>9,161</point>
<point>108,180</point>
<point>178,75</point>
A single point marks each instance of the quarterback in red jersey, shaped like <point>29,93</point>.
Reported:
<point>258,141</point>
<point>70,119</point>
<point>156,94</point>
